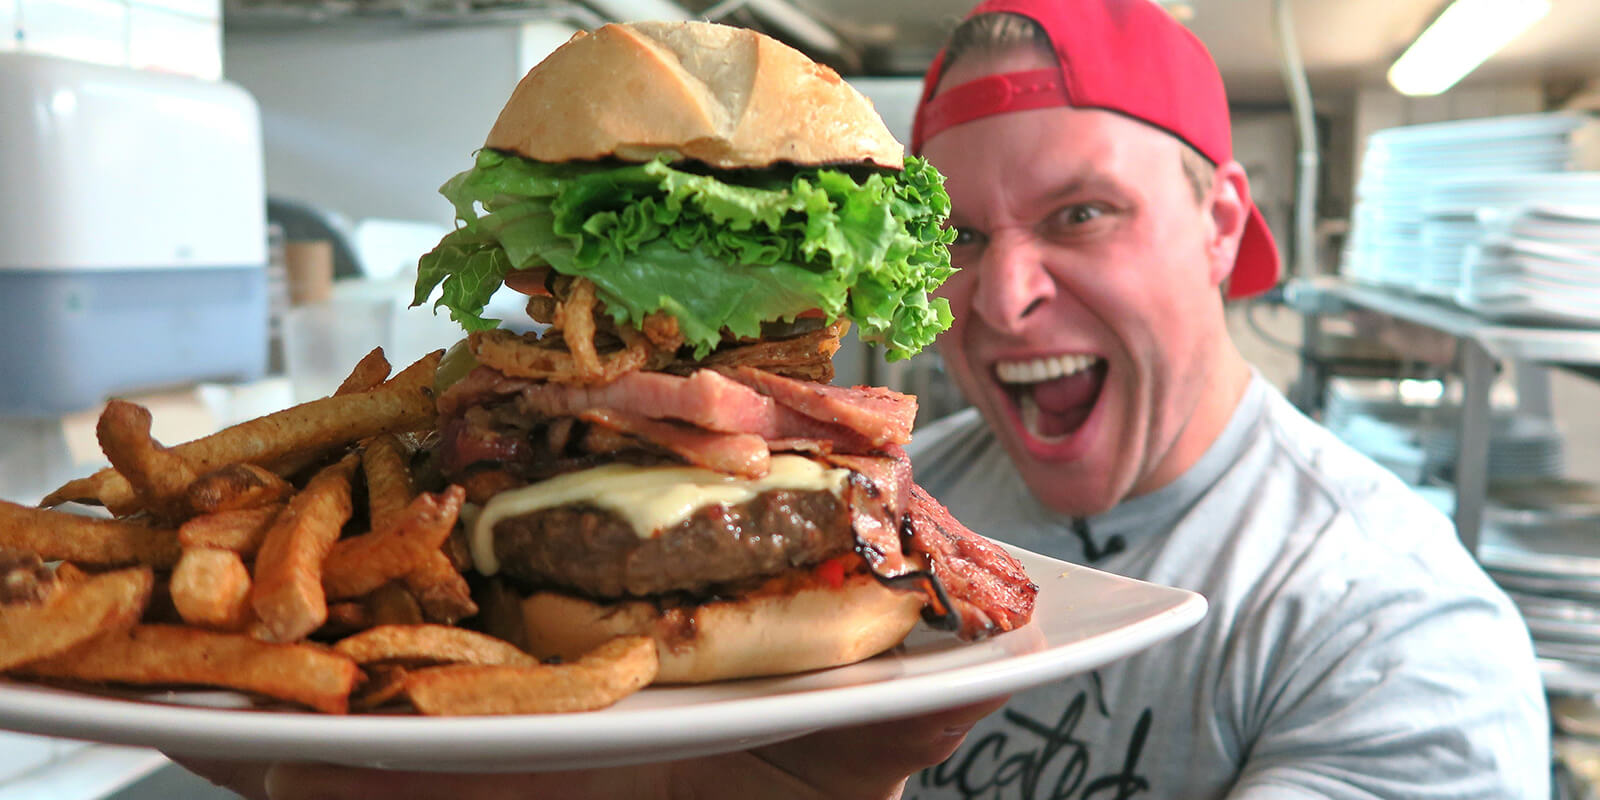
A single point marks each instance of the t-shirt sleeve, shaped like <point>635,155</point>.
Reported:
<point>1376,688</point>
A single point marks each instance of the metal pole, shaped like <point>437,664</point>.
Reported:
<point>1305,203</point>
<point>1533,389</point>
<point>1312,384</point>
<point>1472,461</point>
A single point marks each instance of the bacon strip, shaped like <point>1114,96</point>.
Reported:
<point>989,589</point>
<point>462,444</point>
<point>706,399</point>
<point>480,386</point>
<point>738,454</point>
<point>883,416</point>
<point>877,494</point>
<point>986,588</point>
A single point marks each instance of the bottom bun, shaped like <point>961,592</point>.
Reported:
<point>763,634</point>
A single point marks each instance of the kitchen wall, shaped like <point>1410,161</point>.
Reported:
<point>370,121</point>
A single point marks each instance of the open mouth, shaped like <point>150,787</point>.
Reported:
<point>1054,395</point>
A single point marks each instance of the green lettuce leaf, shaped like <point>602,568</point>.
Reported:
<point>719,253</point>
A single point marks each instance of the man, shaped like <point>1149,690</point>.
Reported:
<point>1353,648</point>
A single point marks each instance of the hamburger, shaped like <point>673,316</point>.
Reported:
<point>696,214</point>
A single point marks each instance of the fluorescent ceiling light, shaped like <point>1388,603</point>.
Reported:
<point>1462,37</point>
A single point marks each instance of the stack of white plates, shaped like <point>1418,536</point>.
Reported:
<point>1446,236</point>
<point>1520,446</point>
<point>1539,264</point>
<point>1541,543</point>
<point>1393,205</point>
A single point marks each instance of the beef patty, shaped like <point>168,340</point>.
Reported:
<point>593,551</point>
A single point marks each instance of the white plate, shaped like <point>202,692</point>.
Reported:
<point>1083,619</point>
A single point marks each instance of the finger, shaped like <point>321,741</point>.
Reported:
<point>329,782</point>
<point>872,761</point>
<point>248,778</point>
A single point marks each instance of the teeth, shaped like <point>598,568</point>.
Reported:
<point>1043,369</point>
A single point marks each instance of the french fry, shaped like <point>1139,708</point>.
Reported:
<point>92,541</point>
<point>236,486</point>
<point>368,374</point>
<point>404,403</point>
<point>67,574</point>
<point>344,618</point>
<point>371,370</point>
<point>25,578</point>
<point>78,490</point>
<point>429,644</point>
<point>434,583</point>
<point>605,675</point>
<point>361,564</point>
<point>159,477</point>
<point>384,682</point>
<point>177,655</point>
<point>389,492</point>
<point>71,615</point>
<point>389,489</point>
<point>211,588</point>
<point>287,596</point>
<point>240,531</point>
<point>392,604</point>
<point>441,591</point>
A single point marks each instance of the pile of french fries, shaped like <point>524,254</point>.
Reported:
<point>245,560</point>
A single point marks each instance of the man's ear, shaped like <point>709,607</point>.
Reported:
<point>1228,204</point>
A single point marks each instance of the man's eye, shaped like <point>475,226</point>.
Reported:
<point>966,237</point>
<point>1079,214</point>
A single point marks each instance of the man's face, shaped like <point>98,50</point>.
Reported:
<point>1086,308</point>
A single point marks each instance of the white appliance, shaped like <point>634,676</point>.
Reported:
<point>132,233</point>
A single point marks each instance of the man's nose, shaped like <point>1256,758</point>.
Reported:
<point>1013,284</point>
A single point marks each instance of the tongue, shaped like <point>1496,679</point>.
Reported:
<point>1067,393</point>
<point>1057,408</point>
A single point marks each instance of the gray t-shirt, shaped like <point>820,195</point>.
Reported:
<point>1353,649</point>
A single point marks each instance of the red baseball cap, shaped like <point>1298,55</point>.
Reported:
<point>1127,56</point>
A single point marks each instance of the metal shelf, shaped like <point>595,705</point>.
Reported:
<point>1481,343</point>
<point>1556,346</point>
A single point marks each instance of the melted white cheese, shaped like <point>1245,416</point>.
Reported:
<point>649,498</point>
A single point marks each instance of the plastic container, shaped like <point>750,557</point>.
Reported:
<point>70,339</point>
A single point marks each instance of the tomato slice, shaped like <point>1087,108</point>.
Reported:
<point>832,572</point>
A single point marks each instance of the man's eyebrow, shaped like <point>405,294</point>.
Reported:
<point>1078,183</point>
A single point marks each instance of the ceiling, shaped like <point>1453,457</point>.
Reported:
<point>1345,43</point>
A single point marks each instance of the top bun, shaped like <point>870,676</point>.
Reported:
<point>726,96</point>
